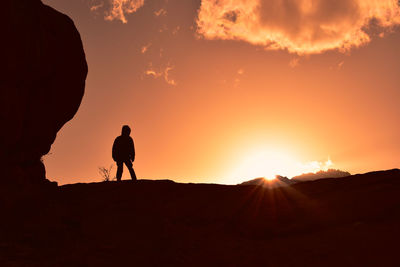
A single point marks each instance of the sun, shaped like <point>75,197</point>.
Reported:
<point>266,163</point>
<point>270,162</point>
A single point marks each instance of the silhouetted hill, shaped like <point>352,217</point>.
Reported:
<point>328,222</point>
<point>331,173</point>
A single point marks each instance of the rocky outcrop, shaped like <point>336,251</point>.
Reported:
<point>43,73</point>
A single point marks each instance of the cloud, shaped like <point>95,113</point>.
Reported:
<point>299,26</point>
<point>145,48</point>
<point>161,12</point>
<point>314,166</point>
<point>96,6</point>
<point>176,30</point>
<point>122,7</point>
<point>163,72</point>
<point>239,74</point>
<point>167,77</point>
<point>116,9</point>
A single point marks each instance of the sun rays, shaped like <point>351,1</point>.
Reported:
<point>270,162</point>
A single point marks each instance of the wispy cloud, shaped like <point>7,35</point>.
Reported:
<point>239,75</point>
<point>122,7</point>
<point>167,76</point>
<point>116,9</point>
<point>96,6</point>
<point>299,26</point>
<point>144,48</point>
<point>176,30</point>
<point>160,12</point>
<point>163,72</point>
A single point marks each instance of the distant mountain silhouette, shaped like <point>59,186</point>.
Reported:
<point>284,181</point>
<point>43,72</point>
<point>328,222</point>
<point>277,182</point>
<point>331,173</point>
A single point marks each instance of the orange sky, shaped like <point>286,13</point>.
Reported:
<point>214,92</point>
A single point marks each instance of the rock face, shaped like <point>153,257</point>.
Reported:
<point>43,72</point>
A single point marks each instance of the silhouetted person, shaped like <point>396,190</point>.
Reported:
<point>123,151</point>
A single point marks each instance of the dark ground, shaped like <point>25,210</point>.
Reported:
<point>353,221</point>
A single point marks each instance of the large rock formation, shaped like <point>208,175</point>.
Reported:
<point>43,72</point>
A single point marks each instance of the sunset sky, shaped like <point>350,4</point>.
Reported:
<point>230,90</point>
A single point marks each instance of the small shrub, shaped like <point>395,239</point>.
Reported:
<point>106,173</point>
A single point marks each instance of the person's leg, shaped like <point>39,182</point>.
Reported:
<point>128,164</point>
<point>120,167</point>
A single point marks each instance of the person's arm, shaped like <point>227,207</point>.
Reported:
<point>114,150</point>
<point>132,152</point>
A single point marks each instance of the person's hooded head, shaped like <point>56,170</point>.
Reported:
<point>126,131</point>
